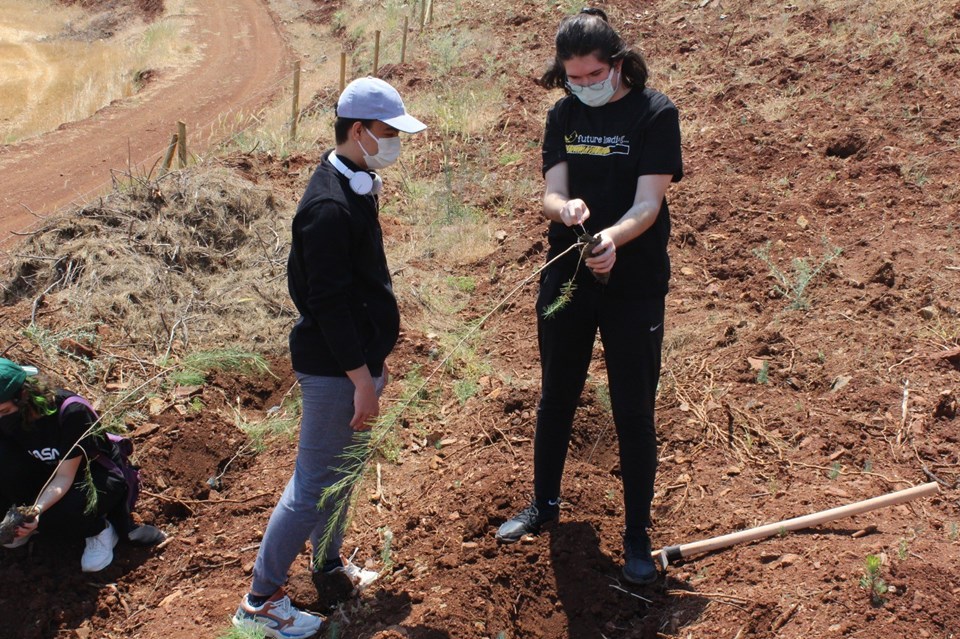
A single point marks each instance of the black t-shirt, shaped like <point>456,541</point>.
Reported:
<point>607,149</point>
<point>50,438</point>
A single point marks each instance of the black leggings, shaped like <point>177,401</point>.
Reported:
<point>632,334</point>
<point>22,477</point>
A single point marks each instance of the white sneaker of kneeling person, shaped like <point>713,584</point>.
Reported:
<point>98,553</point>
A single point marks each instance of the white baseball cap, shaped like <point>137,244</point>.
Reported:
<point>373,99</point>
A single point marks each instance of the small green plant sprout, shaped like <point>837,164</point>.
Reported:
<point>464,284</point>
<point>334,629</point>
<point>834,470</point>
<point>602,392</point>
<point>903,549</point>
<point>386,549</point>
<point>509,157</point>
<point>793,286</point>
<point>241,633</point>
<point>871,581</point>
<point>464,389</point>
<point>782,532</point>
<point>763,375</point>
<point>773,486</point>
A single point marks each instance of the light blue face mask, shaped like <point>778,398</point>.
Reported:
<point>598,94</point>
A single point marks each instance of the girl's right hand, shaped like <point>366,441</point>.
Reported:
<point>27,527</point>
<point>574,212</point>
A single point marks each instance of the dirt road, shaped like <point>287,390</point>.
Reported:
<point>244,56</point>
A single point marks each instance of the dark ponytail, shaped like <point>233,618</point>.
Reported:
<point>588,32</point>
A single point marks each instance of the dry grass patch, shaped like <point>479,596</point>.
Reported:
<point>198,258</point>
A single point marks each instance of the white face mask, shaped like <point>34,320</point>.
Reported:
<point>387,153</point>
<point>595,95</point>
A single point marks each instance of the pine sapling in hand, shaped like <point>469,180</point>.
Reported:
<point>16,517</point>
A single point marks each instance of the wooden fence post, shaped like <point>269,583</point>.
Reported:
<point>430,14</point>
<point>376,52</point>
<point>182,144</point>
<point>295,112</point>
<point>168,156</point>
<point>403,46</point>
<point>343,70</point>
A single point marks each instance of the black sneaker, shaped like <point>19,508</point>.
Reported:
<point>146,535</point>
<point>528,521</point>
<point>337,581</point>
<point>638,566</point>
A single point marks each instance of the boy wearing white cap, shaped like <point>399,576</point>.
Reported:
<point>349,322</point>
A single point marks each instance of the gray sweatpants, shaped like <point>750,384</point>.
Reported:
<point>324,434</point>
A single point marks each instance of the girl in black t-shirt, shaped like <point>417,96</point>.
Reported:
<point>45,455</point>
<point>611,149</point>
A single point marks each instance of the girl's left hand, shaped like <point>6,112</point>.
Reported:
<point>604,255</point>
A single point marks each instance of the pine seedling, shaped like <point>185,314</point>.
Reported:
<point>16,516</point>
<point>903,549</point>
<point>341,496</point>
<point>871,581</point>
<point>793,286</point>
<point>89,490</point>
<point>566,294</point>
<point>834,470</point>
<point>386,553</point>
<point>763,375</point>
<point>586,243</point>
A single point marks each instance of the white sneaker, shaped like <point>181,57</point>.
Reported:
<point>99,551</point>
<point>276,618</point>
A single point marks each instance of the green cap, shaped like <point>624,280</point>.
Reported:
<point>11,378</point>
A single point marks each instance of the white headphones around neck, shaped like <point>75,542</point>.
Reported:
<point>361,182</point>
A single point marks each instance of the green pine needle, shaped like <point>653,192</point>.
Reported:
<point>566,294</point>
<point>89,491</point>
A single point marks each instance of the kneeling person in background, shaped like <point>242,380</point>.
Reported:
<point>48,447</point>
